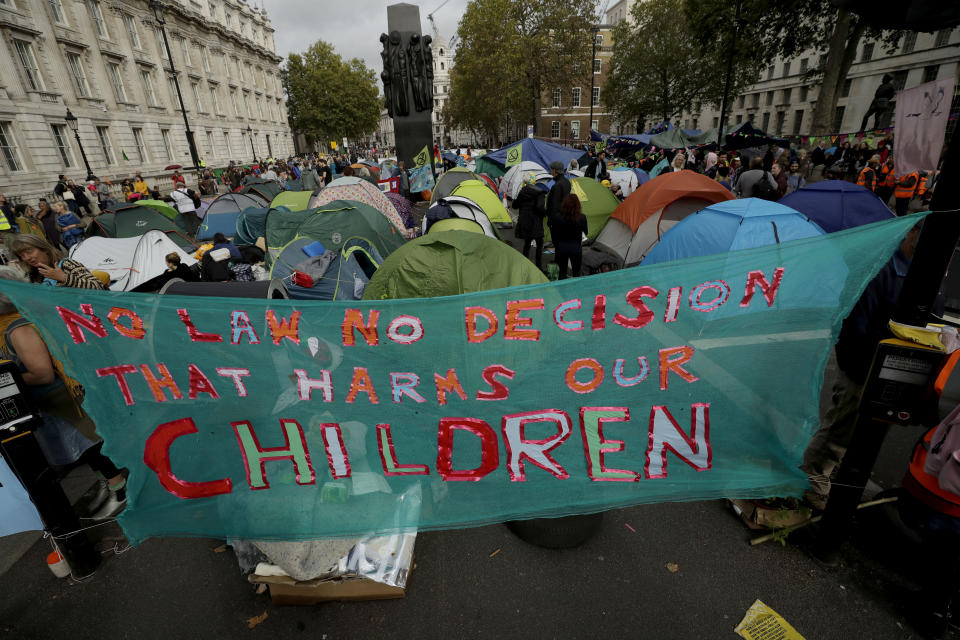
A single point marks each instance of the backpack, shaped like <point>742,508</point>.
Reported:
<point>763,189</point>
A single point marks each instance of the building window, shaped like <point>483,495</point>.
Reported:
<point>555,129</point>
<point>797,121</point>
<point>838,118</point>
<point>803,65</point>
<point>739,118</point>
<point>233,101</point>
<point>756,100</point>
<point>63,144</point>
<point>78,74</point>
<point>213,150</point>
<point>766,121</point>
<point>239,67</point>
<point>900,80</point>
<point>575,129</point>
<point>167,144</point>
<point>595,97</point>
<point>96,13</point>
<point>943,37</point>
<point>595,125</point>
<point>148,88</point>
<point>56,8</point>
<point>227,145</point>
<point>781,118</point>
<point>769,98</point>
<point>741,101</point>
<point>28,62</point>
<point>786,68</point>
<point>867,52</point>
<point>804,91</point>
<point>441,66</point>
<point>909,42</point>
<point>259,107</point>
<point>132,30</point>
<point>174,95</point>
<point>204,59</point>
<point>246,103</point>
<point>8,147</point>
<point>141,147</point>
<point>930,73</point>
<point>195,86</point>
<point>845,88</point>
<point>185,49</point>
<point>214,102</point>
<point>786,95</point>
<point>576,97</point>
<point>598,39</point>
<point>596,65</point>
<point>770,72</point>
<point>103,135</point>
<point>556,97</point>
<point>116,79</point>
<point>162,45</point>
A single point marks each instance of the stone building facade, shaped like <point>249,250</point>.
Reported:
<point>105,61</point>
<point>565,111</point>
<point>783,100</point>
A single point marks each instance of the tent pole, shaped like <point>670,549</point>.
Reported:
<point>726,84</point>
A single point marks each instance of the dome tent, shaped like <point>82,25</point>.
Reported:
<point>637,225</point>
<point>480,193</point>
<point>345,275</point>
<point>129,261</point>
<point>512,180</point>
<point>449,263</point>
<point>451,180</point>
<point>730,226</point>
<point>837,204</point>
<point>358,190</point>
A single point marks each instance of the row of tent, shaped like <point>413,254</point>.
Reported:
<point>741,136</point>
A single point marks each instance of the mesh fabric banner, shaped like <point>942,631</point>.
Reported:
<point>288,419</point>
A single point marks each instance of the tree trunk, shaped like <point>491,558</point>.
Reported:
<point>840,56</point>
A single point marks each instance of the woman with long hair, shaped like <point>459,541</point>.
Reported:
<point>47,265</point>
<point>567,232</point>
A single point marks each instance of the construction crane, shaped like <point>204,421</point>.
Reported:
<point>436,34</point>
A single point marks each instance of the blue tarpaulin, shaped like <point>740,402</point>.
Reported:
<point>837,204</point>
<point>539,151</point>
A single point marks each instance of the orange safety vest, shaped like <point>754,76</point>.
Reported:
<point>925,487</point>
<point>868,178</point>
<point>887,178</point>
<point>907,185</point>
<point>922,186</point>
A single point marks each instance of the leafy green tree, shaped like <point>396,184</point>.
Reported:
<point>785,29</point>
<point>328,97</point>
<point>510,51</point>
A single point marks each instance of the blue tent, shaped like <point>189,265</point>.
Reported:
<point>642,175</point>
<point>539,151</point>
<point>223,221</point>
<point>837,205</point>
<point>732,225</point>
<point>345,272</point>
<point>251,224</point>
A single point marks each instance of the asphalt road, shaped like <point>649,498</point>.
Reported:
<point>487,583</point>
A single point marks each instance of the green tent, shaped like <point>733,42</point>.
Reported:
<point>449,180</point>
<point>160,206</point>
<point>448,263</point>
<point>677,139</point>
<point>267,189</point>
<point>597,202</point>
<point>293,200</point>
<point>490,168</point>
<point>332,225</point>
<point>130,222</point>
<point>480,192</point>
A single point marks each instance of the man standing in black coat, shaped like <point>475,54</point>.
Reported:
<point>597,169</point>
<point>559,191</point>
<point>529,204</point>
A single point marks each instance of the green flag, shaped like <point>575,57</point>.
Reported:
<point>514,155</point>
<point>422,159</point>
<point>124,154</point>
<point>599,147</point>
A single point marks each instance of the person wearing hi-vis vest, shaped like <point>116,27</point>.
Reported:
<point>868,175</point>
<point>907,187</point>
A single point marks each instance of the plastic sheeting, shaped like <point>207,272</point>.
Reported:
<point>280,419</point>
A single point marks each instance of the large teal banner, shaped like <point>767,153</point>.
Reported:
<point>287,419</point>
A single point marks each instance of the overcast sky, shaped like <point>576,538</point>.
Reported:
<point>353,27</point>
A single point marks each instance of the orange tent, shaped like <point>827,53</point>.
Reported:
<point>637,225</point>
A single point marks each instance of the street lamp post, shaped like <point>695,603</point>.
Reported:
<point>252,148</point>
<point>594,30</point>
<point>158,8</point>
<point>726,84</point>
<point>74,125</point>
